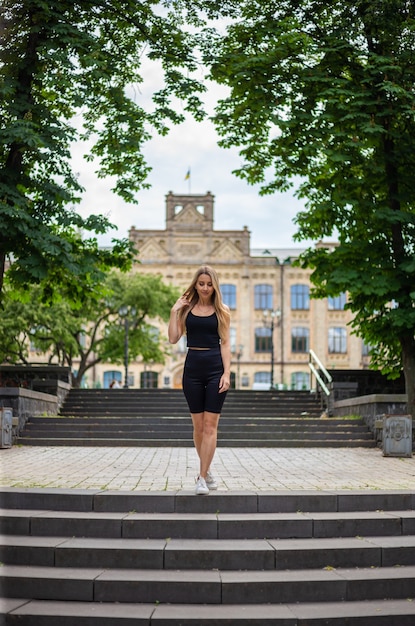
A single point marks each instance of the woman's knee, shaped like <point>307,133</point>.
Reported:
<point>210,423</point>
<point>198,422</point>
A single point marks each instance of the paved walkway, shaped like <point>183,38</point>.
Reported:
<point>171,469</point>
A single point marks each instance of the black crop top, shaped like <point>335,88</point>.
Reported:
<point>202,331</point>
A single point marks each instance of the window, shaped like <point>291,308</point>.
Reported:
<point>366,349</point>
<point>300,339</point>
<point>110,376</point>
<point>182,344</point>
<point>244,380</point>
<point>337,340</point>
<point>262,377</point>
<point>336,303</point>
<point>229,295</point>
<point>263,297</point>
<point>148,380</point>
<point>263,340</point>
<point>300,380</point>
<point>300,297</point>
<point>154,333</point>
<point>262,381</point>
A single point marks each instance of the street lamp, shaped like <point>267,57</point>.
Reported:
<point>270,319</point>
<point>125,312</point>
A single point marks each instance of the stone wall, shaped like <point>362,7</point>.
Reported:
<point>26,403</point>
<point>372,408</point>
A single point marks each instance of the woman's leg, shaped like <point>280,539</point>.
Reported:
<point>197,420</point>
<point>205,433</point>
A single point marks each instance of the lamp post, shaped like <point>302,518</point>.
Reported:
<point>270,319</point>
<point>125,312</point>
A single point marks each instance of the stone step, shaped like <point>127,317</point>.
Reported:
<point>135,411</point>
<point>159,418</point>
<point>25,500</point>
<point>234,395</point>
<point>166,422</point>
<point>156,401</point>
<point>154,433</point>
<point>88,557</point>
<point>365,613</point>
<point>207,587</point>
<point>212,526</point>
<point>187,443</point>
<point>207,554</point>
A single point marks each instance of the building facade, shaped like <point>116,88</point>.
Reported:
<point>274,322</point>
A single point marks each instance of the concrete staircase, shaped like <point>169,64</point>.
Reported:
<point>91,558</point>
<point>160,417</point>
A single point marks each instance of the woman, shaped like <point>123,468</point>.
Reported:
<point>201,314</point>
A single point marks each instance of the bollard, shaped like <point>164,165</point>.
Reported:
<point>397,435</point>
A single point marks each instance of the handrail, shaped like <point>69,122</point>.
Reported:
<point>316,372</point>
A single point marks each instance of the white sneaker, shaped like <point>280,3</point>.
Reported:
<point>201,487</point>
<point>211,481</point>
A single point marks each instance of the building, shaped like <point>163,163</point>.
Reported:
<point>274,322</point>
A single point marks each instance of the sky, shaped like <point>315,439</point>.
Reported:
<point>191,145</point>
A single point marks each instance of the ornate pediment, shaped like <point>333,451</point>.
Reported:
<point>152,250</point>
<point>189,215</point>
<point>226,250</point>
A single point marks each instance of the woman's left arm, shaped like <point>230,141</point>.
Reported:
<point>225,349</point>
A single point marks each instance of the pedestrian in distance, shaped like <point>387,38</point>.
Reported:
<point>201,314</point>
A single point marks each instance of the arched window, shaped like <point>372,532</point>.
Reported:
<point>229,295</point>
<point>148,380</point>
<point>110,376</point>
<point>263,297</point>
<point>300,297</point>
<point>300,380</point>
<point>300,339</point>
<point>337,340</point>
<point>336,303</point>
<point>263,339</point>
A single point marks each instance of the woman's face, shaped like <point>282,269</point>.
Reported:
<point>204,286</point>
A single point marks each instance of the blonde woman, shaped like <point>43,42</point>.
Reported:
<point>205,319</point>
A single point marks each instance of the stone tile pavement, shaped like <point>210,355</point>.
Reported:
<point>172,469</point>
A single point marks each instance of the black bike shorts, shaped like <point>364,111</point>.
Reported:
<point>201,375</point>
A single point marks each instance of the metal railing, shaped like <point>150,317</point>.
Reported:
<point>321,374</point>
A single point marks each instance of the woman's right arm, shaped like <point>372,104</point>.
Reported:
<point>175,330</point>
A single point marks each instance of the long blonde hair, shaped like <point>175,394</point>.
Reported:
<point>192,296</point>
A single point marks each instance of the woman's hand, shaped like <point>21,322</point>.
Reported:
<point>224,383</point>
<point>180,304</point>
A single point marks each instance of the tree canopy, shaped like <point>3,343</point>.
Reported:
<point>324,93</point>
<point>82,337</point>
<point>70,72</point>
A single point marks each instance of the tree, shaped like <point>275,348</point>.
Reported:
<point>62,62</point>
<point>324,93</point>
<point>82,337</point>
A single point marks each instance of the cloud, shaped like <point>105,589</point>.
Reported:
<point>194,145</point>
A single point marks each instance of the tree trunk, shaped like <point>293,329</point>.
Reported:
<point>2,270</point>
<point>408,362</point>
